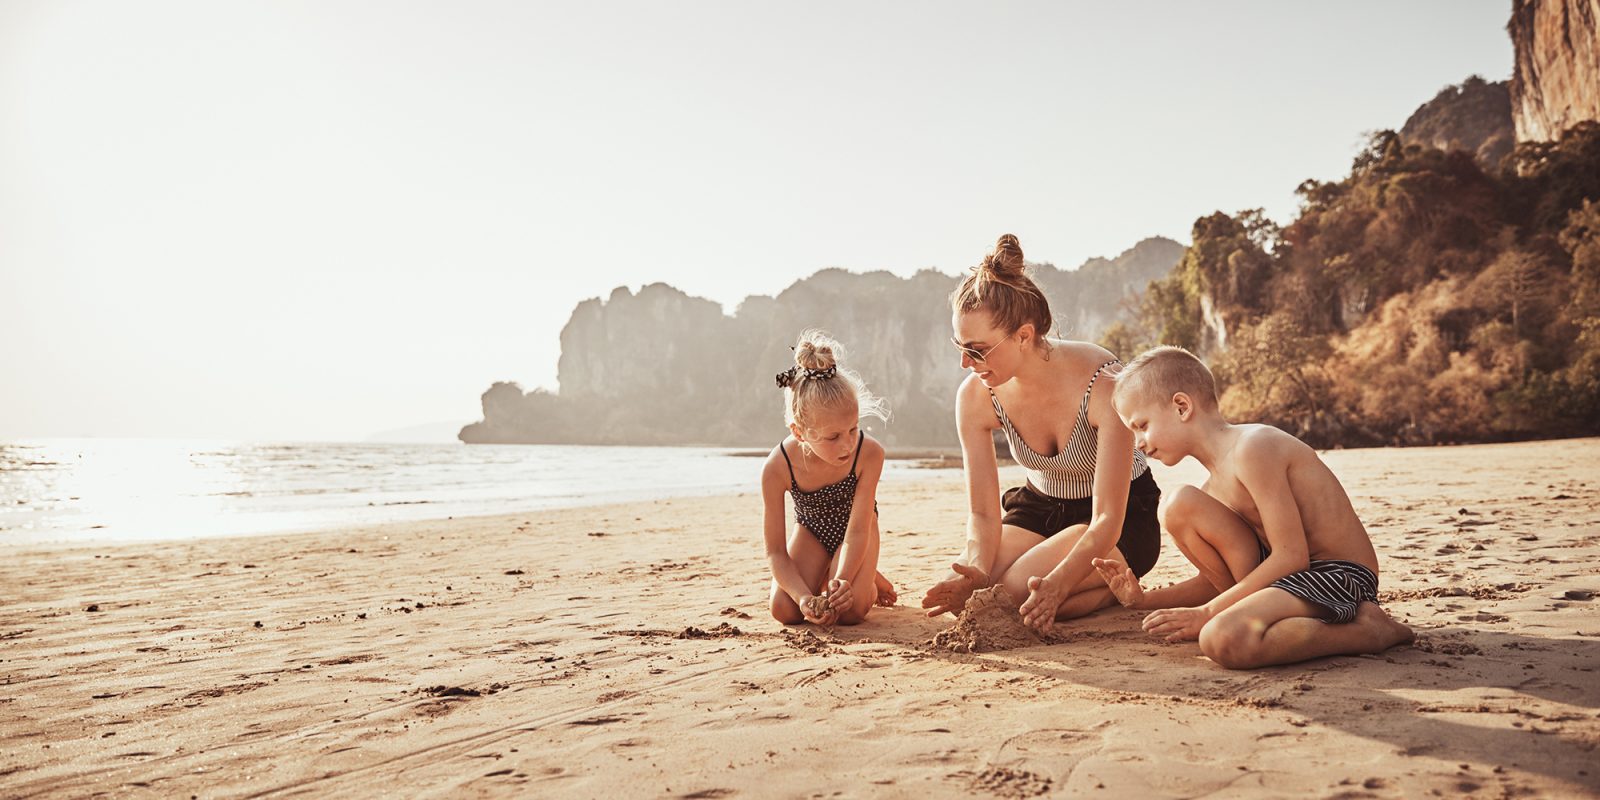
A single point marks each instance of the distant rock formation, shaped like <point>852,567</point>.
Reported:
<point>661,367</point>
<point>430,433</point>
<point>1556,82</point>
<point>1474,116</point>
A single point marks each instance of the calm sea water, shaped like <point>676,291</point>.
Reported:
<point>128,489</point>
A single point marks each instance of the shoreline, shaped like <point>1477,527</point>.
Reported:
<point>577,651</point>
<point>152,490</point>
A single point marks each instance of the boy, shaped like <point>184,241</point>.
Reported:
<point>1280,550</point>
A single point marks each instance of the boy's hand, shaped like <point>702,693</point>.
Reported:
<point>838,594</point>
<point>951,594</point>
<point>1121,581</point>
<point>1044,598</point>
<point>1177,624</point>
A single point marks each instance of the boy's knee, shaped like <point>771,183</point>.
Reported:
<point>1229,643</point>
<point>1180,505</point>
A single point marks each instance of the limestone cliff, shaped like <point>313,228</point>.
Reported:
<point>1556,82</point>
<point>661,367</point>
<point>1474,116</point>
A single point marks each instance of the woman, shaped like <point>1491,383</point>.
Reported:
<point>1091,497</point>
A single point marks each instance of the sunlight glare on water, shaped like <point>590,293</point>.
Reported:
<point>131,489</point>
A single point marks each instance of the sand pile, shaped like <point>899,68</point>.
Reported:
<point>988,623</point>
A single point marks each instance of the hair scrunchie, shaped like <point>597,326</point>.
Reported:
<point>787,377</point>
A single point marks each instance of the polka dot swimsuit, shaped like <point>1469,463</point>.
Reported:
<point>826,511</point>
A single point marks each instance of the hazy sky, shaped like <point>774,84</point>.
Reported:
<point>318,220</point>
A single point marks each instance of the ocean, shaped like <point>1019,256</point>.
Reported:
<point>102,490</point>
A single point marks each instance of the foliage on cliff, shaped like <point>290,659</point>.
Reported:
<point>1419,300</point>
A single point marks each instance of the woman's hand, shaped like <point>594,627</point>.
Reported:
<point>1044,598</point>
<point>951,594</point>
<point>1121,581</point>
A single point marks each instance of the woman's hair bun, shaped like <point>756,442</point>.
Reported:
<point>1006,260</point>
<point>1001,287</point>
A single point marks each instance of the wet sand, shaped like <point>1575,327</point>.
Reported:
<point>627,650</point>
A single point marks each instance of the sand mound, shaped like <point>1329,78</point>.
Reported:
<point>989,622</point>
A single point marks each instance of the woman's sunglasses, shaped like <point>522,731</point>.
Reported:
<point>978,356</point>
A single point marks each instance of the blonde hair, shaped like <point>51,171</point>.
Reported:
<point>816,381</point>
<point>1001,286</point>
<point>1161,372</point>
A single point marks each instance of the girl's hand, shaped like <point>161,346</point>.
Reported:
<point>1120,580</point>
<point>815,609</point>
<point>1044,598</point>
<point>838,595</point>
<point>951,594</point>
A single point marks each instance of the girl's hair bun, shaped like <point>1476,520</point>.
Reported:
<point>815,351</point>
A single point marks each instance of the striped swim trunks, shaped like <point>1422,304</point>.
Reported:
<point>1337,587</point>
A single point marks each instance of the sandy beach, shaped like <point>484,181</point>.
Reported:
<point>627,650</point>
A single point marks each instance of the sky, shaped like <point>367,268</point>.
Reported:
<point>302,221</point>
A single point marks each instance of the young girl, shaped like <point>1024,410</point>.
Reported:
<point>825,570</point>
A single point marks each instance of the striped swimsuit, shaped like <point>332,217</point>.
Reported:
<point>1069,474</point>
<point>1337,586</point>
<point>1059,492</point>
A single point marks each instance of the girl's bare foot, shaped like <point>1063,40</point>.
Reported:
<point>886,593</point>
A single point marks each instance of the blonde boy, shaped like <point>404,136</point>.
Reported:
<point>1287,571</point>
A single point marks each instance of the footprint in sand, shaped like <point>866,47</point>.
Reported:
<point>1049,752</point>
<point>1005,782</point>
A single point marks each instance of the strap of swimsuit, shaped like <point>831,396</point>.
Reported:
<point>858,452</point>
<point>1083,405</point>
<point>785,452</point>
<point>999,413</point>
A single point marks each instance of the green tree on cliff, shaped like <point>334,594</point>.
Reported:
<point>1417,300</point>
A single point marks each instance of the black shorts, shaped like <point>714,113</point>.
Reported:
<point>1030,509</point>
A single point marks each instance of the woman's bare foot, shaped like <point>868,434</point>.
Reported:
<point>1120,580</point>
<point>886,593</point>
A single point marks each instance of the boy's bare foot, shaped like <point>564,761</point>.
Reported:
<point>1386,632</point>
<point>886,593</point>
<point>1120,580</point>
